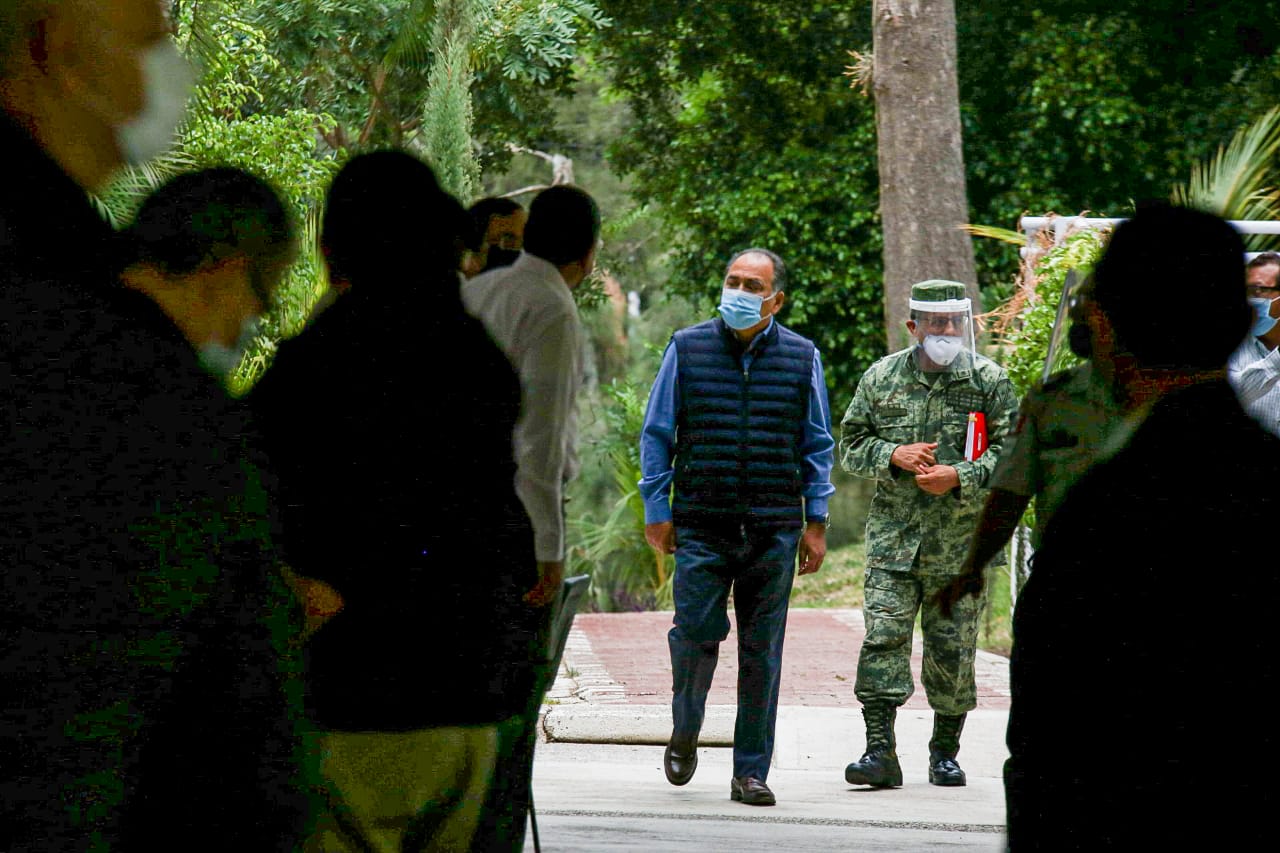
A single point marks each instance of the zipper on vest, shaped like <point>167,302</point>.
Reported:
<point>744,423</point>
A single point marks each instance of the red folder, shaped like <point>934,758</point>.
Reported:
<point>975,439</point>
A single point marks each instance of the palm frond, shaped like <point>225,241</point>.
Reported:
<point>995,232</point>
<point>1239,180</point>
<point>412,45</point>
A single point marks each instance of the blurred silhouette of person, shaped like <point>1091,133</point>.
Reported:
<point>1254,368</point>
<point>1061,425</point>
<point>498,235</point>
<point>144,670</point>
<point>1124,686</point>
<point>390,423</point>
<point>210,249</point>
<point>528,309</point>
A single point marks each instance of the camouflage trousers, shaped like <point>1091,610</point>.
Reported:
<point>891,601</point>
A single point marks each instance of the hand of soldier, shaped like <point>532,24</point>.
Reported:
<point>914,458</point>
<point>938,480</point>
<point>813,548</point>
<point>968,582</point>
<point>661,536</point>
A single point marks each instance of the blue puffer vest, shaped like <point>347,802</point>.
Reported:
<point>739,431</point>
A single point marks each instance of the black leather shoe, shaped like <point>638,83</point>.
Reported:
<point>750,791</point>
<point>946,772</point>
<point>679,761</point>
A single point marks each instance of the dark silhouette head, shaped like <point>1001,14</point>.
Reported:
<point>1170,284</point>
<point>563,227</point>
<point>487,209</point>
<point>497,234</point>
<point>204,218</point>
<point>388,223</point>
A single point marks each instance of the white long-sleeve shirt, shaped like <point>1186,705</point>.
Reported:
<point>529,311</point>
<point>1254,371</point>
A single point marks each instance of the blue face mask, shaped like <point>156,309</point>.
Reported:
<point>1263,321</point>
<point>741,310</point>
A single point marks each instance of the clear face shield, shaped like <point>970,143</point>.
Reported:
<point>1070,341</point>
<point>944,332</point>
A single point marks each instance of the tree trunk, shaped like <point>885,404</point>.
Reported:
<point>922,189</point>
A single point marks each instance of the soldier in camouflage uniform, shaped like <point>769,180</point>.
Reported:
<point>1062,427</point>
<point>907,428</point>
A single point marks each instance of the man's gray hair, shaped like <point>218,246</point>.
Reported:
<point>779,268</point>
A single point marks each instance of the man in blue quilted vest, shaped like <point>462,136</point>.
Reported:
<point>739,427</point>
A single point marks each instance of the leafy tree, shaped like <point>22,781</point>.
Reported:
<point>1082,106</point>
<point>744,133</point>
<point>1093,105</point>
<point>423,73</point>
<point>1239,181</point>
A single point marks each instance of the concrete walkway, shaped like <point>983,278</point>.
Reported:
<point>608,716</point>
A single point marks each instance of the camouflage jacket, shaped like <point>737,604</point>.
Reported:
<point>1062,428</point>
<point>895,404</point>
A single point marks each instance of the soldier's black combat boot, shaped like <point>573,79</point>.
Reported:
<point>878,766</point>
<point>943,748</point>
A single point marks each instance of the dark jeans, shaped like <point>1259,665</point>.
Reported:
<point>759,565</point>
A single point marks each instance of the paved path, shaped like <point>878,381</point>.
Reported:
<point>598,779</point>
<point>622,658</point>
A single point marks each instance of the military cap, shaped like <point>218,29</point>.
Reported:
<point>939,295</point>
<point>937,290</point>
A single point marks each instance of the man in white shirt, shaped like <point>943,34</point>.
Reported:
<point>529,310</point>
<point>1254,368</point>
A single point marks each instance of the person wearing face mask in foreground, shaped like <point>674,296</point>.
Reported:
<point>1254,368</point>
<point>738,427</point>
<point>144,668</point>
<point>1143,643</point>
<point>915,426</point>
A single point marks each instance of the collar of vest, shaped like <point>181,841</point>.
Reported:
<point>760,341</point>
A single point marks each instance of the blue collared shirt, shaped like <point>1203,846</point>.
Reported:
<point>658,440</point>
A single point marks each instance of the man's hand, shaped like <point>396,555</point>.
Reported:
<point>938,480</point>
<point>914,458</point>
<point>550,576</point>
<point>813,547</point>
<point>970,581</point>
<point>661,536</point>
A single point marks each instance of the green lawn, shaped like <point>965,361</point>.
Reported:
<point>839,584</point>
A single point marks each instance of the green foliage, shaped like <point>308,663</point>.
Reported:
<point>625,572</point>
<point>744,133</point>
<point>534,40</point>
<point>447,115</point>
<point>374,66</point>
<point>1239,181</point>
<point>1092,105</point>
<point>1028,341</point>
